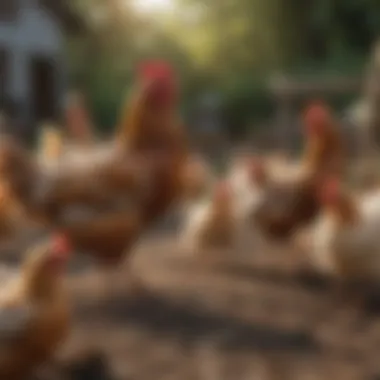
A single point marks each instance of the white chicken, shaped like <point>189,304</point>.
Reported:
<point>223,221</point>
<point>346,239</point>
<point>247,178</point>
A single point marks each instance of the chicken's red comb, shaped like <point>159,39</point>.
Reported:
<point>155,70</point>
<point>162,89</point>
<point>61,244</point>
<point>330,191</point>
<point>316,117</point>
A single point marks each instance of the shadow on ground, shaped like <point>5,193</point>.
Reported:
<point>192,325</point>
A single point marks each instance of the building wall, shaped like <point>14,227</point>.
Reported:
<point>34,32</point>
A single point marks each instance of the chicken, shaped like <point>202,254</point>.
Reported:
<point>238,175</point>
<point>51,145</point>
<point>290,200</point>
<point>197,177</point>
<point>77,120</point>
<point>34,311</point>
<point>282,166</point>
<point>12,215</point>
<point>19,169</point>
<point>152,137</point>
<point>151,129</point>
<point>221,220</point>
<point>345,239</point>
<point>107,196</point>
<point>212,223</point>
<point>248,178</point>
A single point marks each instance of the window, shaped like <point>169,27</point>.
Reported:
<point>9,9</point>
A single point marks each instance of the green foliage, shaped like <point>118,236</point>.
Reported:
<point>229,46</point>
<point>246,102</point>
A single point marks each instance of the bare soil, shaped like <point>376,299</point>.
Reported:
<point>217,317</point>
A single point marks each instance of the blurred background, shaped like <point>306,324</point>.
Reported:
<point>245,66</point>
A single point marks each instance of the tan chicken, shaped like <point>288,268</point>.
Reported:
<point>51,146</point>
<point>12,215</point>
<point>290,200</point>
<point>211,224</point>
<point>77,135</point>
<point>34,311</point>
<point>78,121</point>
<point>197,177</point>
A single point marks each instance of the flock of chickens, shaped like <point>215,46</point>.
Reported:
<point>98,199</point>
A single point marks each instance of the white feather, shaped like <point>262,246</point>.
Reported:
<point>246,193</point>
<point>195,221</point>
<point>320,244</point>
<point>355,246</point>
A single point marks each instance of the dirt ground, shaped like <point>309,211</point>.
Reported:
<point>216,317</point>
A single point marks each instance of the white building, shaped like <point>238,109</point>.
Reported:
<point>32,57</point>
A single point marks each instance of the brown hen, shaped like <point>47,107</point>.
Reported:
<point>106,195</point>
<point>293,203</point>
